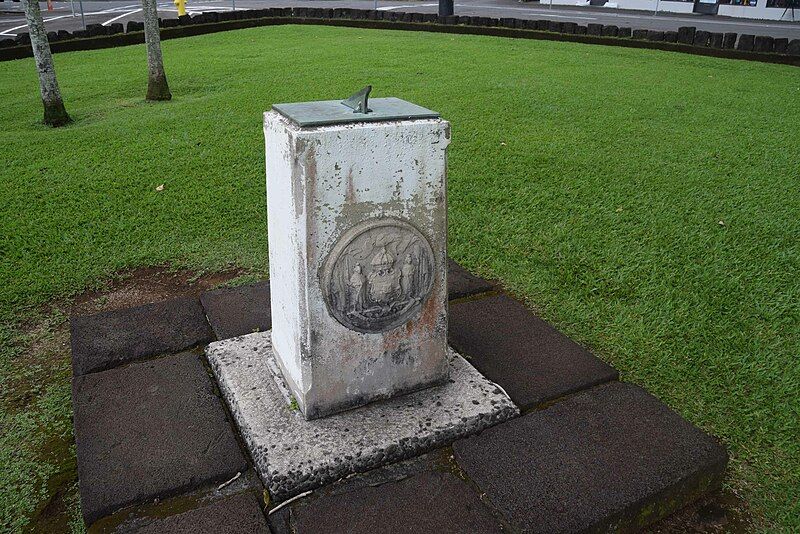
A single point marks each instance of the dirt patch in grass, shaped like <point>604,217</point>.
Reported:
<point>148,284</point>
<point>40,473</point>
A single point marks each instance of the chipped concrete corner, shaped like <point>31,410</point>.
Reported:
<point>357,243</point>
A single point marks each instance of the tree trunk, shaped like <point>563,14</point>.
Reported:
<point>55,114</point>
<point>157,88</point>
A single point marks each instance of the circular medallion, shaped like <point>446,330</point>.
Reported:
<point>378,275</point>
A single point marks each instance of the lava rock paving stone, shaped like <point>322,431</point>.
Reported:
<point>235,515</point>
<point>149,430</point>
<point>108,339</point>
<point>613,457</point>
<point>530,359</point>
<point>428,502</point>
<point>461,283</point>
<point>236,311</point>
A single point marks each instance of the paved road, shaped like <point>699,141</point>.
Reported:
<point>108,11</point>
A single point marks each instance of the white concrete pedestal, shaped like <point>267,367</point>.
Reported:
<point>358,258</point>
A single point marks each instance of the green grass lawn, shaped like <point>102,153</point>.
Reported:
<point>647,203</point>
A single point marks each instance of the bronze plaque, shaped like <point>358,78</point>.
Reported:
<point>378,275</point>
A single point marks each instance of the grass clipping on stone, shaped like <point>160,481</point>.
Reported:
<point>645,202</point>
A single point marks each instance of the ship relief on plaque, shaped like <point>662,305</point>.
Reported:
<point>378,275</point>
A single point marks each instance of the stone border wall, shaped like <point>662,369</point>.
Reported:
<point>686,39</point>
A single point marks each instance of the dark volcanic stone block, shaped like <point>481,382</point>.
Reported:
<point>95,30</point>
<point>234,515</point>
<point>64,35</point>
<point>686,34</point>
<point>581,30</point>
<point>612,458</point>
<point>729,40</point>
<point>594,29</point>
<point>624,32</point>
<point>701,38</point>
<point>236,311</point>
<point>149,430</point>
<point>530,359</point>
<point>568,27</point>
<point>763,43</point>
<point>671,37</point>
<point>52,37</point>
<point>108,339</point>
<point>507,22</point>
<point>428,502</point>
<point>640,34</point>
<point>462,283</point>
<point>23,38</point>
<point>116,28</point>
<point>134,26</point>
<point>554,26</point>
<point>716,40</point>
<point>542,24</point>
<point>793,49</point>
<point>746,42</point>
<point>654,35</point>
<point>7,42</point>
<point>610,30</point>
<point>781,43</point>
<point>174,23</point>
<point>417,17</point>
<point>183,20</point>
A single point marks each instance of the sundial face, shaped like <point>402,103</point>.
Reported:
<point>378,275</point>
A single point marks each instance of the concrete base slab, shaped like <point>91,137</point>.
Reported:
<point>292,454</point>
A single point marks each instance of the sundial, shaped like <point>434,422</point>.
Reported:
<point>352,109</point>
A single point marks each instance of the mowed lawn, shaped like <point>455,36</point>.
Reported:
<point>647,203</point>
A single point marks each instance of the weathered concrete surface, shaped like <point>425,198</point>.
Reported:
<point>109,339</point>
<point>461,283</point>
<point>428,502</point>
<point>324,183</point>
<point>611,458</point>
<point>530,359</point>
<point>236,311</point>
<point>151,429</point>
<point>240,514</point>
<point>293,454</point>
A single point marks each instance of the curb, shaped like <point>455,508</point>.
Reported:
<point>686,40</point>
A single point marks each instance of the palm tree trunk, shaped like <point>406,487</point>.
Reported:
<point>157,88</point>
<point>55,114</point>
